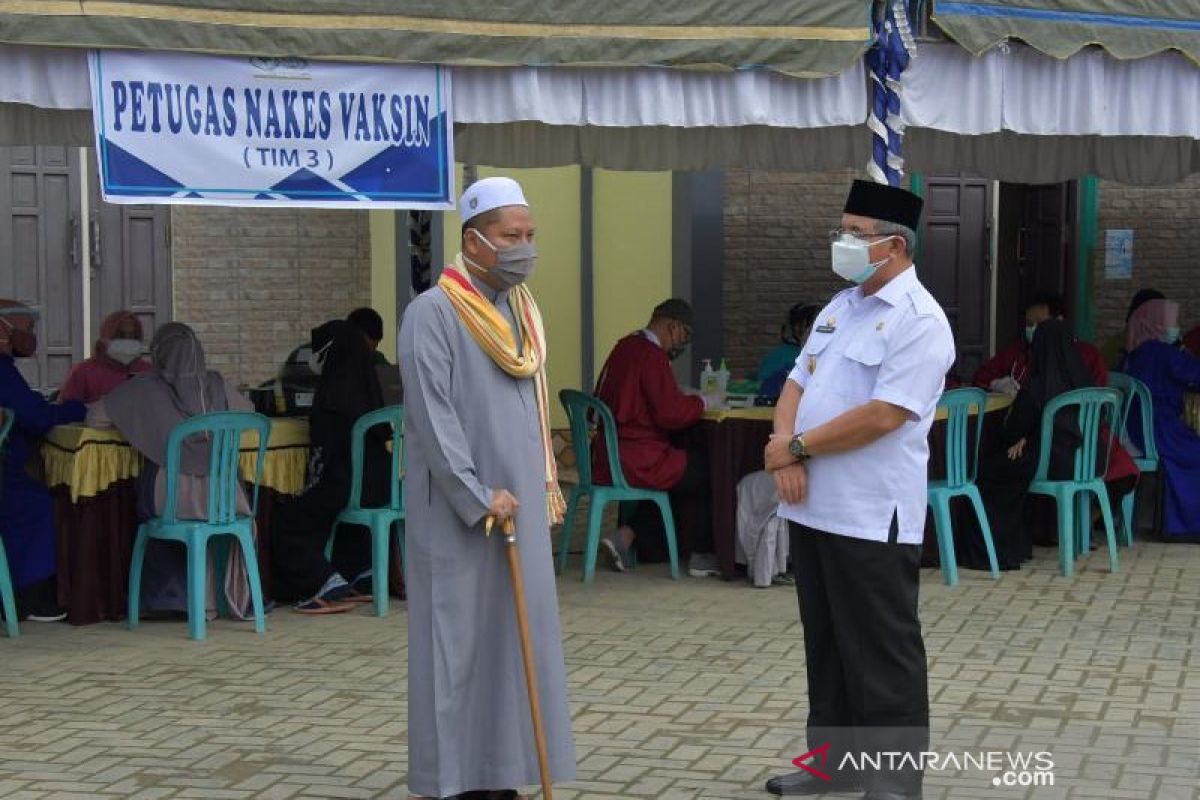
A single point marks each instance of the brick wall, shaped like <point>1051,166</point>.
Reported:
<point>1165,221</point>
<point>776,253</point>
<point>254,282</point>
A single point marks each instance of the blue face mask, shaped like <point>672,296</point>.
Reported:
<point>1171,334</point>
<point>1029,330</point>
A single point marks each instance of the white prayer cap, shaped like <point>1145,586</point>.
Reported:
<point>490,193</point>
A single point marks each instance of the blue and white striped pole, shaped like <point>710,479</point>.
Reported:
<point>894,47</point>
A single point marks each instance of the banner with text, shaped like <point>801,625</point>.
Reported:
<point>215,130</point>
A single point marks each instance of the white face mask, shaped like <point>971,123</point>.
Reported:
<point>852,258</point>
<point>316,359</point>
<point>124,351</point>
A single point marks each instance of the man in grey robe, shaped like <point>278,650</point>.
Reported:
<point>474,444</point>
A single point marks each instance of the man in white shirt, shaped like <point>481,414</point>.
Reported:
<point>850,457</point>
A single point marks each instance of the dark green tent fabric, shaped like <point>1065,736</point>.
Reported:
<point>809,38</point>
<point>1060,28</point>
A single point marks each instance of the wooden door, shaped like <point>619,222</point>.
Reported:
<point>1036,251</point>
<point>955,261</point>
<point>39,249</point>
<point>129,260</point>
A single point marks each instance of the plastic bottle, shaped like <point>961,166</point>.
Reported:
<point>708,381</point>
<point>723,382</point>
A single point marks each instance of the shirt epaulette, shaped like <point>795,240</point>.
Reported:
<point>841,294</point>
<point>923,302</point>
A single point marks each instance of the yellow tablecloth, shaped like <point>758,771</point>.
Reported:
<point>1191,411</point>
<point>995,402</point>
<point>89,460</point>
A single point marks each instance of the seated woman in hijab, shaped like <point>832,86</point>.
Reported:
<point>145,409</point>
<point>1156,359</point>
<point>775,365</point>
<point>116,357</point>
<point>347,388</point>
<point>26,509</point>
<point>1055,367</point>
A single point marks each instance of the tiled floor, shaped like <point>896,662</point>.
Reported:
<point>680,690</point>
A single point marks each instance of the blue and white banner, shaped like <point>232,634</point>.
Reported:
<point>214,130</point>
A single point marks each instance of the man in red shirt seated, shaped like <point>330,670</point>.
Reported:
<point>1006,371</point>
<point>639,388</point>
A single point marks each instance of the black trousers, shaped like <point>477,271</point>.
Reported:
<point>298,536</point>
<point>691,505</point>
<point>867,677</point>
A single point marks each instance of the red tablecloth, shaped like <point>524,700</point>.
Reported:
<point>735,449</point>
<point>95,545</point>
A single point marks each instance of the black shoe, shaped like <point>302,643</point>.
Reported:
<point>38,602</point>
<point>805,783</point>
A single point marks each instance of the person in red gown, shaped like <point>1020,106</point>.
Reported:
<point>1008,369</point>
<point>116,358</point>
<point>639,388</point>
<point>1191,341</point>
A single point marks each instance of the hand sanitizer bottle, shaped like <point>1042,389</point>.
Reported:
<point>708,382</point>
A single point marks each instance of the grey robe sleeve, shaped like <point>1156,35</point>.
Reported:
<point>426,357</point>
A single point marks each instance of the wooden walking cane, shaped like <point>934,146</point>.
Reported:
<point>535,702</point>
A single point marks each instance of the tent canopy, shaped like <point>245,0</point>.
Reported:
<point>1015,115</point>
<point>1061,28</point>
<point>803,39</point>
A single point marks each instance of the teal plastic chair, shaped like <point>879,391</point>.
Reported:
<point>6,587</point>
<point>962,465</point>
<point>580,407</point>
<point>1096,407</point>
<point>381,521</point>
<point>1133,389</point>
<point>224,430</point>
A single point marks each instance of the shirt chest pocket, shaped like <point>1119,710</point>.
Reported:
<point>859,367</point>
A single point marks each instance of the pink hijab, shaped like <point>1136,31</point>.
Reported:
<point>90,380</point>
<point>1150,321</point>
<point>109,329</point>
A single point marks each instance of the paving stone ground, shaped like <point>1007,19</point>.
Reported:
<point>692,689</point>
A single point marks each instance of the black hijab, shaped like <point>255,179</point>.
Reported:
<point>1054,367</point>
<point>347,388</point>
<point>348,384</point>
<point>1054,363</point>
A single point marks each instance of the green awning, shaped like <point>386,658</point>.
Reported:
<point>1060,28</point>
<point>811,38</point>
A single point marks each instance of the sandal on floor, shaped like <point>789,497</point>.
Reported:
<point>360,589</point>
<point>318,606</point>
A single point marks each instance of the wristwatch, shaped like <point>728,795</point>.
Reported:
<point>798,448</point>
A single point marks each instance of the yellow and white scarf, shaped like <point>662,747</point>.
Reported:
<point>492,333</point>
